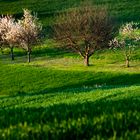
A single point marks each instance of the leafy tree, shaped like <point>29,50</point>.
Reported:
<point>84,30</point>
<point>127,41</point>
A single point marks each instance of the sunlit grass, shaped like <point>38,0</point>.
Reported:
<point>91,113</point>
<point>56,96</point>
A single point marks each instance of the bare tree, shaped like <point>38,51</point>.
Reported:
<point>30,33</point>
<point>84,30</point>
<point>126,41</point>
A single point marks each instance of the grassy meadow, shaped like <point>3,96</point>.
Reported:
<point>57,97</point>
<point>124,10</point>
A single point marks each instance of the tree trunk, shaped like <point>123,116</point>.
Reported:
<point>1,50</point>
<point>29,56</point>
<point>86,60</point>
<point>12,54</point>
<point>127,63</point>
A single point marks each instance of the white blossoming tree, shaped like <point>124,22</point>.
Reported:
<point>128,37</point>
<point>9,33</point>
<point>24,33</point>
<point>30,32</point>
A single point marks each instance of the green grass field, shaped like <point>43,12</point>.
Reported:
<point>56,97</point>
<point>124,10</point>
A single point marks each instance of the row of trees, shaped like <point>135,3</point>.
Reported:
<point>85,30</point>
<point>89,29</point>
<point>24,33</point>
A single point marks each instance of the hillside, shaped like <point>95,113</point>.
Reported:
<point>56,97</point>
<point>124,10</point>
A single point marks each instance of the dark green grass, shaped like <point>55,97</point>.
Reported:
<point>28,79</point>
<point>56,97</point>
<point>46,9</point>
<point>54,69</point>
<point>98,114</point>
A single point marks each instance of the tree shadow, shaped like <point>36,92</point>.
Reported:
<point>90,82</point>
<point>40,53</point>
<point>80,120</point>
<point>98,81</point>
<point>8,0</point>
<point>52,52</point>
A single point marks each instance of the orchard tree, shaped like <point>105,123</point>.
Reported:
<point>127,41</point>
<point>24,33</point>
<point>8,33</point>
<point>30,32</point>
<point>1,41</point>
<point>84,30</point>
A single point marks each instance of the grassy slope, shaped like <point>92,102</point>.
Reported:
<point>57,97</point>
<point>124,10</point>
<point>106,113</point>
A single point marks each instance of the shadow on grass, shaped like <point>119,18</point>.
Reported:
<point>80,120</point>
<point>72,83</point>
<point>52,52</point>
<point>41,52</point>
<point>101,80</point>
<point>8,0</point>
